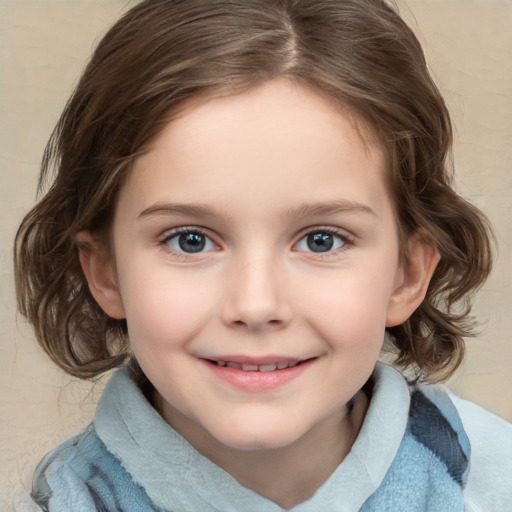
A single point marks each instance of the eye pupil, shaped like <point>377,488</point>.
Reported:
<point>192,242</point>
<point>320,242</point>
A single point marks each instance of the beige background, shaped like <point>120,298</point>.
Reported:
<point>43,46</point>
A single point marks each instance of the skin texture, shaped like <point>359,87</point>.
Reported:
<point>257,173</point>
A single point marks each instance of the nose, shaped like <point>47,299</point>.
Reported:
<point>256,295</point>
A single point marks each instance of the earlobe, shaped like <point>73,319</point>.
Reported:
<point>413,279</point>
<point>100,275</point>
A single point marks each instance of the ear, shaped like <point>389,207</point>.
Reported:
<point>100,274</point>
<point>413,278</point>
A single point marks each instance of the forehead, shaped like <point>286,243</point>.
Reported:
<point>282,105</point>
<point>272,138</point>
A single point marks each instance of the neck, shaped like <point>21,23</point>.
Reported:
<point>287,475</point>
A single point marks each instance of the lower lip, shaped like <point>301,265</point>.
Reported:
<point>258,382</point>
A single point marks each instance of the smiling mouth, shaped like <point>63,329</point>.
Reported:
<point>250,367</point>
<point>258,375</point>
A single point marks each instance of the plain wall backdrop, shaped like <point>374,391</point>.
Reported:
<point>44,45</point>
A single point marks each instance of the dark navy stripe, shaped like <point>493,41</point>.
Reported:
<point>98,502</point>
<point>433,430</point>
<point>100,484</point>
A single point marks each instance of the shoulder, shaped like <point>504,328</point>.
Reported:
<point>82,474</point>
<point>489,440</point>
<point>489,485</point>
<point>435,423</point>
<point>62,476</point>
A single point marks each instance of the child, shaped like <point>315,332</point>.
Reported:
<point>248,195</point>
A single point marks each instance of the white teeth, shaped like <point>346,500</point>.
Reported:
<point>250,367</point>
<point>247,367</point>
<point>267,367</point>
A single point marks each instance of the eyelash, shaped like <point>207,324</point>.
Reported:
<point>346,240</point>
<point>164,242</point>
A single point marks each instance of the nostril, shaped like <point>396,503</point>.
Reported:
<point>257,325</point>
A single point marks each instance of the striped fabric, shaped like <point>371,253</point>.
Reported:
<point>427,474</point>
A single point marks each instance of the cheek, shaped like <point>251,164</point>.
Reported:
<point>163,310</point>
<point>349,309</point>
<point>348,325</point>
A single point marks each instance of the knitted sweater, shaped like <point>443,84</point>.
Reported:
<point>412,454</point>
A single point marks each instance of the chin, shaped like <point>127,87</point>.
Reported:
<point>257,439</point>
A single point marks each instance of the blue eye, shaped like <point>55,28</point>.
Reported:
<point>189,242</point>
<point>320,241</point>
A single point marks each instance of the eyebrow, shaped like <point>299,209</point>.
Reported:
<point>190,209</point>
<point>332,208</point>
<point>304,210</point>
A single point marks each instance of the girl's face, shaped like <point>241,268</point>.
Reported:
<point>257,265</point>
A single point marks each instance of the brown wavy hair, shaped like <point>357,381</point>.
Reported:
<point>163,52</point>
